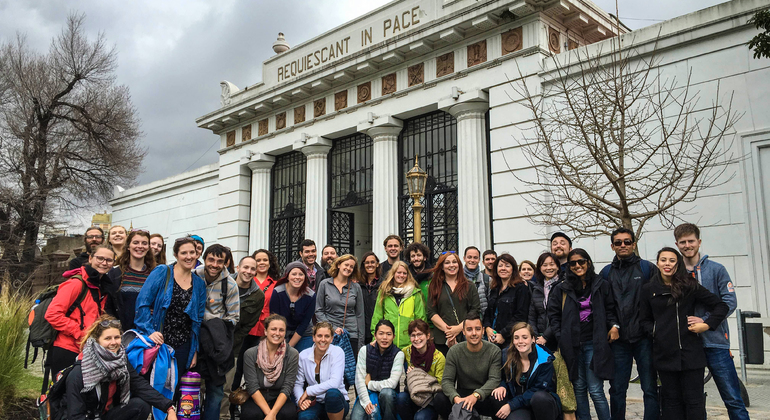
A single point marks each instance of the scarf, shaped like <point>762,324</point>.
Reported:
<point>547,286</point>
<point>472,274</point>
<point>101,365</point>
<point>271,369</point>
<point>379,365</point>
<point>423,361</point>
<point>403,291</point>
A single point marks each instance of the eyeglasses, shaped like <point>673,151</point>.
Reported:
<point>626,242</point>
<point>110,323</point>
<point>95,237</point>
<point>416,335</point>
<point>574,263</point>
<point>102,260</point>
<point>449,252</point>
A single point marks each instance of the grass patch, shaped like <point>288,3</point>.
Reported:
<point>28,385</point>
<point>14,309</point>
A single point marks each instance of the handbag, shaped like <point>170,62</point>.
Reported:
<point>563,385</point>
<point>239,396</point>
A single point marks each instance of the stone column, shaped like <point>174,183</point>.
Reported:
<point>384,132</point>
<point>259,220</point>
<point>472,168</point>
<point>316,187</point>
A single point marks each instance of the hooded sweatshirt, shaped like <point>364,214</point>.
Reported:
<point>231,309</point>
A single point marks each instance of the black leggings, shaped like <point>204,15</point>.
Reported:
<point>251,411</point>
<point>58,359</point>
<point>134,410</point>
<point>681,394</point>
<point>543,406</point>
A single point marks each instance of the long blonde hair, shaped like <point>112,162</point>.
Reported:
<point>386,288</point>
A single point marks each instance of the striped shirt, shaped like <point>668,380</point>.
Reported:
<point>133,281</point>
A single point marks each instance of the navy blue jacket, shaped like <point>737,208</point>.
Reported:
<point>541,378</point>
<point>304,308</point>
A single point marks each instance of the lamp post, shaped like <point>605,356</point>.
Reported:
<point>415,181</point>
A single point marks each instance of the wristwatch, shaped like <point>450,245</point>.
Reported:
<point>477,395</point>
<point>616,326</point>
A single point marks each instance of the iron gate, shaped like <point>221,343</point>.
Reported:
<point>287,221</point>
<point>341,225</point>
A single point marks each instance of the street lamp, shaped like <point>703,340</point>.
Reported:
<point>415,181</point>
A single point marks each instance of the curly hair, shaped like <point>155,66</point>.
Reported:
<point>124,260</point>
<point>274,271</point>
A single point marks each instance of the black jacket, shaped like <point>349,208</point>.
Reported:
<point>216,357</point>
<point>538,315</point>
<point>370,301</point>
<point>565,325</point>
<point>82,406</point>
<point>674,347</point>
<point>79,261</point>
<point>507,308</point>
<point>626,279</point>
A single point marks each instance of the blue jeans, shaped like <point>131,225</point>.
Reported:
<point>588,383</point>
<point>722,368</point>
<point>334,402</point>
<point>214,395</point>
<point>303,344</point>
<point>408,410</point>
<point>625,354</point>
<point>386,405</point>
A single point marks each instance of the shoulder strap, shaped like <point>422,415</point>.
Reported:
<point>645,266</point>
<point>77,303</point>
<point>563,299</point>
<point>449,295</point>
<point>605,273</point>
<point>347,296</point>
<point>168,279</point>
<point>224,292</point>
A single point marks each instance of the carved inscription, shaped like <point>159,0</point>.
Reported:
<point>445,64</point>
<point>416,74</point>
<point>512,40</point>
<point>299,114</point>
<point>262,129</point>
<point>388,84</point>
<point>477,53</point>
<point>340,100</point>
<point>553,40</point>
<point>230,138</point>
<point>319,107</point>
<point>280,121</point>
<point>364,92</point>
<point>246,133</point>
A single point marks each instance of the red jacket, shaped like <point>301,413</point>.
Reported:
<point>70,334</point>
<point>259,328</point>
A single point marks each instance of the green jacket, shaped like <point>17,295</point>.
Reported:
<point>412,307</point>
<point>252,303</point>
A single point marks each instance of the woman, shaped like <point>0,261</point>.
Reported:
<point>581,311</point>
<point>89,286</point>
<point>399,301</point>
<point>104,385</point>
<point>378,372</point>
<point>421,354</point>
<point>450,299</point>
<point>131,272</point>
<point>528,379</point>
<point>170,306</point>
<point>546,277</point>
<point>319,389</point>
<point>666,303</point>
<point>158,246</point>
<point>508,302</point>
<point>270,370</point>
<point>116,238</point>
<point>295,300</point>
<point>370,276</point>
<point>527,271</point>
<point>340,300</point>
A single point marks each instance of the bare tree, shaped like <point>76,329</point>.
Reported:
<point>68,134</point>
<point>617,143</point>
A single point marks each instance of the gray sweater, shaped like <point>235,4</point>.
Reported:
<point>330,307</point>
<point>255,379</point>
<point>479,371</point>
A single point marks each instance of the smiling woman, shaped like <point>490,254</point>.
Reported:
<point>294,300</point>
<point>129,275</point>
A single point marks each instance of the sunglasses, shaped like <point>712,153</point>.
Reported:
<point>449,252</point>
<point>574,263</point>
<point>110,323</point>
<point>626,242</point>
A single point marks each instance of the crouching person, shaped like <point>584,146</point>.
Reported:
<point>528,386</point>
<point>102,384</point>
<point>320,389</point>
<point>378,372</point>
<point>423,356</point>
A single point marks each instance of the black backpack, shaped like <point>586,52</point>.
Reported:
<point>53,404</point>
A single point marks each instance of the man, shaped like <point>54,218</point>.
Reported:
<point>94,237</point>
<point>471,373</point>
<point>220,317</point>
<point>474,275</point>
<point>418,255</point>
<point>489,257</point>
<point>252,301</point>
<point>627,274</point>
<point>328,255</point>
<point>561,245</point>
<point>307,254</point>
<point>713,276</point>
<point>199,245</point>
<point>393,247</point>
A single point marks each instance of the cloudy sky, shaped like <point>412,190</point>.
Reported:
<point>174,53</point>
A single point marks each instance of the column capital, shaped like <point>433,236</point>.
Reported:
<point>472,104</point>
<point>381,126</point>
<point>260,161</point>
<point>313,147</point>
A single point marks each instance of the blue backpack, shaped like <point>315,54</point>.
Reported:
<point>343,341</point>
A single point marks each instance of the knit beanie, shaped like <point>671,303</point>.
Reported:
<point>292,265</point>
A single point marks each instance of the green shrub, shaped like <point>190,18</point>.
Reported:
<point>14,309</point>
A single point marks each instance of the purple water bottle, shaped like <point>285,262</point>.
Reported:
<point>190,399</point>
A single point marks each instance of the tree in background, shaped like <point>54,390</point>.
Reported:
<point>68,134</point>
<point>615,143</point>
<point>761,41</point>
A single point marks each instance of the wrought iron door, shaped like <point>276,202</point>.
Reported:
<point>287,221</point>
<point>341,225</point>
<point>432,137</point>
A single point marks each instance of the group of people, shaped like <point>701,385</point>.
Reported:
<point>474,334</point>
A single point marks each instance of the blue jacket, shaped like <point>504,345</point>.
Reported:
<point>152,303</point>
<point>541,378</point>
<point>713,276</point>
<point>164,376</point>
<point>301,321</point>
